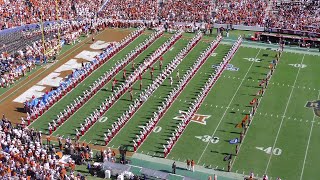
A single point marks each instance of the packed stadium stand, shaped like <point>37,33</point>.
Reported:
<point>21,45</point>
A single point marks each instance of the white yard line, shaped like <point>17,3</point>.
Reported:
<point>247,131</point>
<point>307,148</point>
<point>284,113</point>
<point>225,112</point>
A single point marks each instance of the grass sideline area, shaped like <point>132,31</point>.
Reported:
<point>281,141</point>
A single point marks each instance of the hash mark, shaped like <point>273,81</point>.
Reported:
<point>221,107</point>
<point>112,146</point>
<point>238,109</point>
<point>289,117</point>
<point>300,120</point>
<point>306,120</point>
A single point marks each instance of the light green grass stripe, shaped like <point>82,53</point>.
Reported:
<point>42,122</point>
<point>263,129</point>
<point>146,111</point>
<point>153,144</point>
<point>122,105</point>
<point>68,128</point>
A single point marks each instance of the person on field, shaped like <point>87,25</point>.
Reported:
<point>174,166</point>
<point>192,165</point>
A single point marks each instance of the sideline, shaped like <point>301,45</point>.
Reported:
<point>44,69</point>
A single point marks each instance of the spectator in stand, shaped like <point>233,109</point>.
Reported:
<point>301,15</point>
<point>24,156</point>
<point>249,13</point>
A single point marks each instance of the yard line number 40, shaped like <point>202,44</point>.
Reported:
<point>269,150</point>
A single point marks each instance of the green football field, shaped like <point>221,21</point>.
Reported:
<point>281,140</point>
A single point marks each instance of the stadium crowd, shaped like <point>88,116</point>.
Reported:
<point>249,13</point>
<point>281,14</point>
<point>18,13</point>
<point>25,154</point>
<point>301,15</point>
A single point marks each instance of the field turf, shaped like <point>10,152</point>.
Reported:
<point>281,141</point>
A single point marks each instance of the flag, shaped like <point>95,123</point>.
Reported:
<point>253,101</point>
<point>261,83</point>
<point>245,118</point>
<point>227,157</point>
<point>239,125</point>
<point>259,92</point>
<point>234,141</point>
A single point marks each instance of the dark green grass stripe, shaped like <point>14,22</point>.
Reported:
<point>69,126</point>
<point>124,102</point>
<point>266,126</point>
<point>175,113</point>
<point>216,151</point>
<point>42,122</point>
<point>154,142</point>
<point>146,111</point>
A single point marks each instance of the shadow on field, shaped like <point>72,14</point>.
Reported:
<point>20,110</point>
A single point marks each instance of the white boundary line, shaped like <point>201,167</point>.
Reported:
<point>225,112</point>
<point>284,113</point>
<point>47,69</point>
<point>307,148</point>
